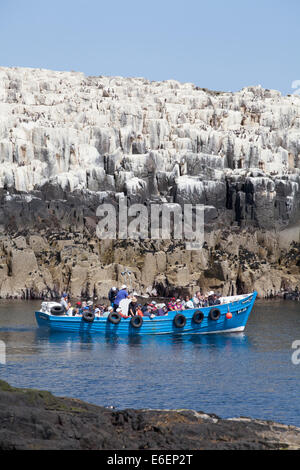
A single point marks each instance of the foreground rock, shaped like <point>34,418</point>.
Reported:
<point>32,419</point>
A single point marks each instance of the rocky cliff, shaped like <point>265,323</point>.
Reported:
<point>33,419</point>
<point>69,143</point>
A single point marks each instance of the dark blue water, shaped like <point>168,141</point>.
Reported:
<point>241,374</point>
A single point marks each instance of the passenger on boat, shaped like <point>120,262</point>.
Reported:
<point>204,301</point>
<point>153,306</point>
<point>188,303</point>
<point>172,304</point>
<point>139,310</point>
<point>64,302</point>
<point>106,312</point>
<point>216,299</point>
<point>119,311</point>
<point>145,307</point>
<point>211,299</point>
<point>132,307</point>
<point>112,295</point>
<point>69,311</point>
<point>77,310</point>
<point>196,299</point>
<point>84,310</point>
<point>98,310</point>
<point>122,294</point>
<point>162,311</point>
<point>178,305</point>
<point>148,312</point>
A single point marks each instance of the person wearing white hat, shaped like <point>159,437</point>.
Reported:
<point>132,307</point>
<point>121,295</point>
<point>112,295</point>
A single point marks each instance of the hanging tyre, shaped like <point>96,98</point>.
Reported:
<point>198,317</point>
<point>89,317</point>
<point>179,320</point>
<point>57,310</point>
<point>136,321</point>
<point>114,318</point>
<point>215,314</point>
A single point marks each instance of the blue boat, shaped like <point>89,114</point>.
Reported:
<point>230,316</point>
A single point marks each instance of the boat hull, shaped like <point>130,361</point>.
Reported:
<point>239,309</point>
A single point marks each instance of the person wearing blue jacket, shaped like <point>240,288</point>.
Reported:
<point>122,294</point>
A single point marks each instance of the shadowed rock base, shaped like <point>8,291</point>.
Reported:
<point>33,419</point>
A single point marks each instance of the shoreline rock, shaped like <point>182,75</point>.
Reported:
<point>41,265</point>
<point>35,419</point>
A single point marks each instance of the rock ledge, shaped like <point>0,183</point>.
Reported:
<point>34,419</point>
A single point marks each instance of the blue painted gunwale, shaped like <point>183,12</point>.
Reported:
<point>240,310</point>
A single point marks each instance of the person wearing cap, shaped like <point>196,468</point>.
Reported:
<point>122,294</point>
<point>64,302</point>
<point>112,295</point>
<point>132,307</point>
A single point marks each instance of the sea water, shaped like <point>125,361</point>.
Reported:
<point>234,374</point>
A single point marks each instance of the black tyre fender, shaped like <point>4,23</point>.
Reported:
<point>214,314</point>
<point>89,317</point>
<point>198,317</point>
<point>136,321</point>
<point>114,318</point>
<point>179,320</point>
<point>57,310</point>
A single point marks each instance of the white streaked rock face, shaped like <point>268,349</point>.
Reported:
<point>236,151</point>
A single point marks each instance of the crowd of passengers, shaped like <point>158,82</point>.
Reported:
<point>149,309</point>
